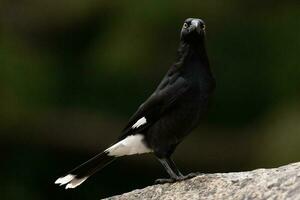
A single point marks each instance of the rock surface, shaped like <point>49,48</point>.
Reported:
<point>278,183</point>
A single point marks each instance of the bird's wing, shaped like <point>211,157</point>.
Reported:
<point>168,92</point>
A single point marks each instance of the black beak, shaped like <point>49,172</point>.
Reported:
<point>198,25</point>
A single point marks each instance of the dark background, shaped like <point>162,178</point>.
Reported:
<point>72,73</point>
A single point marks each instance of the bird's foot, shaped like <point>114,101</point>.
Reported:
<point>192,175</point>
<point>179,178</point>
<point>165,180</point>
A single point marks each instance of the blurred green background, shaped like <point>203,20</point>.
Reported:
<point>72,73</point>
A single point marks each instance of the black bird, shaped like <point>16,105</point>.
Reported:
<point>167,116</point>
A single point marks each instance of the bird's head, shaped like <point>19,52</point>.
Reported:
<point>193,29</point>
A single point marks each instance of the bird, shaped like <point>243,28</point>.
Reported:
<point>170,113</point>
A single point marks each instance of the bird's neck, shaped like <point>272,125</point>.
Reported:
<point>193,52</point>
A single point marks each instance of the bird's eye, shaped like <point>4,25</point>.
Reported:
<point>185,25</point>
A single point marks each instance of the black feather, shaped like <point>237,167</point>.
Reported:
<point>175,107</point>
<point>92,165</point>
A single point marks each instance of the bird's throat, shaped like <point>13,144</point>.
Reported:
<point>191,52</point>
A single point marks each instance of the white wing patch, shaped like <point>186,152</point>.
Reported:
<point>132,144</point>
<point>70,181</point>
<point>139,123</point>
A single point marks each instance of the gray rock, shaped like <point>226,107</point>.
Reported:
<point>278,183</point>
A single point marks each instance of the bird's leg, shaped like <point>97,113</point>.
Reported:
<point>173,171</point>
<point>173,167</point>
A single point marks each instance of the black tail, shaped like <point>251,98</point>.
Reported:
<point>78,175</point>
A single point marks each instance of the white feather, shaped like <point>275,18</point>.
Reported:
<point>139,122</point>
<point>64,180</point>
<point>132,144</point>
<point>70,180</point>
<point>75,182</point>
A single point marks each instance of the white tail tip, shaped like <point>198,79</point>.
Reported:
<point>70,181</point>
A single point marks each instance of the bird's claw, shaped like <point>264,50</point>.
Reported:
<point>179,178</point>
<point>165,180</point>
<point>192,175</point>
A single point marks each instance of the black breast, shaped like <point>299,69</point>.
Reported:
<point>178,122</point>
